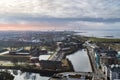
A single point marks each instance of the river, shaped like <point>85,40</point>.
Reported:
<point>19,75</point>
<point>80,61</point>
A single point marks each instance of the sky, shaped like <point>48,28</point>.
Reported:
<point>59,14</point>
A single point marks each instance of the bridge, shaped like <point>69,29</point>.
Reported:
<point>78,73</point>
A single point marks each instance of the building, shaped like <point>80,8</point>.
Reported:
<point>50,65</point>
<point>23,52</point>
<point>114,72</point>
<point>36,52</point>
<point>107,57</point>
<point>104,56</point>
<point>110,64</point>
<point>71,76</point>
<point>44,57</point>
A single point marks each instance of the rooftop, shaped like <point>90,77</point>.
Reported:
<point>44,57</point>
<point>115,68</point>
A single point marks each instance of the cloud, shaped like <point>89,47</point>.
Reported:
<point>61,23</point>
<point>62,14</point>
<point>63,8</point>
<point>26,19</point>
<point>93,25</point>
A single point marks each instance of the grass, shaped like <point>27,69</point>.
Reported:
<point>104,40</point>
<point>95,39</point>
<point>14,58</point>
<point>106,43</point>
<point>65,62</point>
<point>8,64</point>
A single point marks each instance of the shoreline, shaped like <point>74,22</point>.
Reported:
<point>45,71</point>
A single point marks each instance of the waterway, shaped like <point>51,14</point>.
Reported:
<point>80,61</point>
<point>19,75</point>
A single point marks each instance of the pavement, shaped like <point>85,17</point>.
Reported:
<point>99,75</point>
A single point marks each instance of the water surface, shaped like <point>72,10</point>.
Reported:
<point>19,75</point>
<point>80,61</point>
<point>102,33</point>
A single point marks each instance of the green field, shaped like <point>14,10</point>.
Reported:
<point>103,40</point>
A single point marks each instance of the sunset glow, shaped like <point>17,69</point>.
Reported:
<point>28,27</point>
<point>59,14</point>
<point>23,27</point>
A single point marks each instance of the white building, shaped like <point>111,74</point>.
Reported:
<point>44,57</point>
<point>112,71</point>
<point>115,72</point>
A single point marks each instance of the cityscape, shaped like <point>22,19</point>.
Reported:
<point>59,40</point>
<point>53,54</point>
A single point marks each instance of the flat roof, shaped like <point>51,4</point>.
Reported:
<point>44,57</point>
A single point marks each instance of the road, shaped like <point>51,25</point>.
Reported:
<point>99,75</point>
<point>57,56</point>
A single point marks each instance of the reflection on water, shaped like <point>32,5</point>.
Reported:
<point>19,75</point>
<point>80,61</point>
<point>103,33</point>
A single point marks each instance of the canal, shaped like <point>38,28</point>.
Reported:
<point>80,61</point>
<point>19,75</point>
